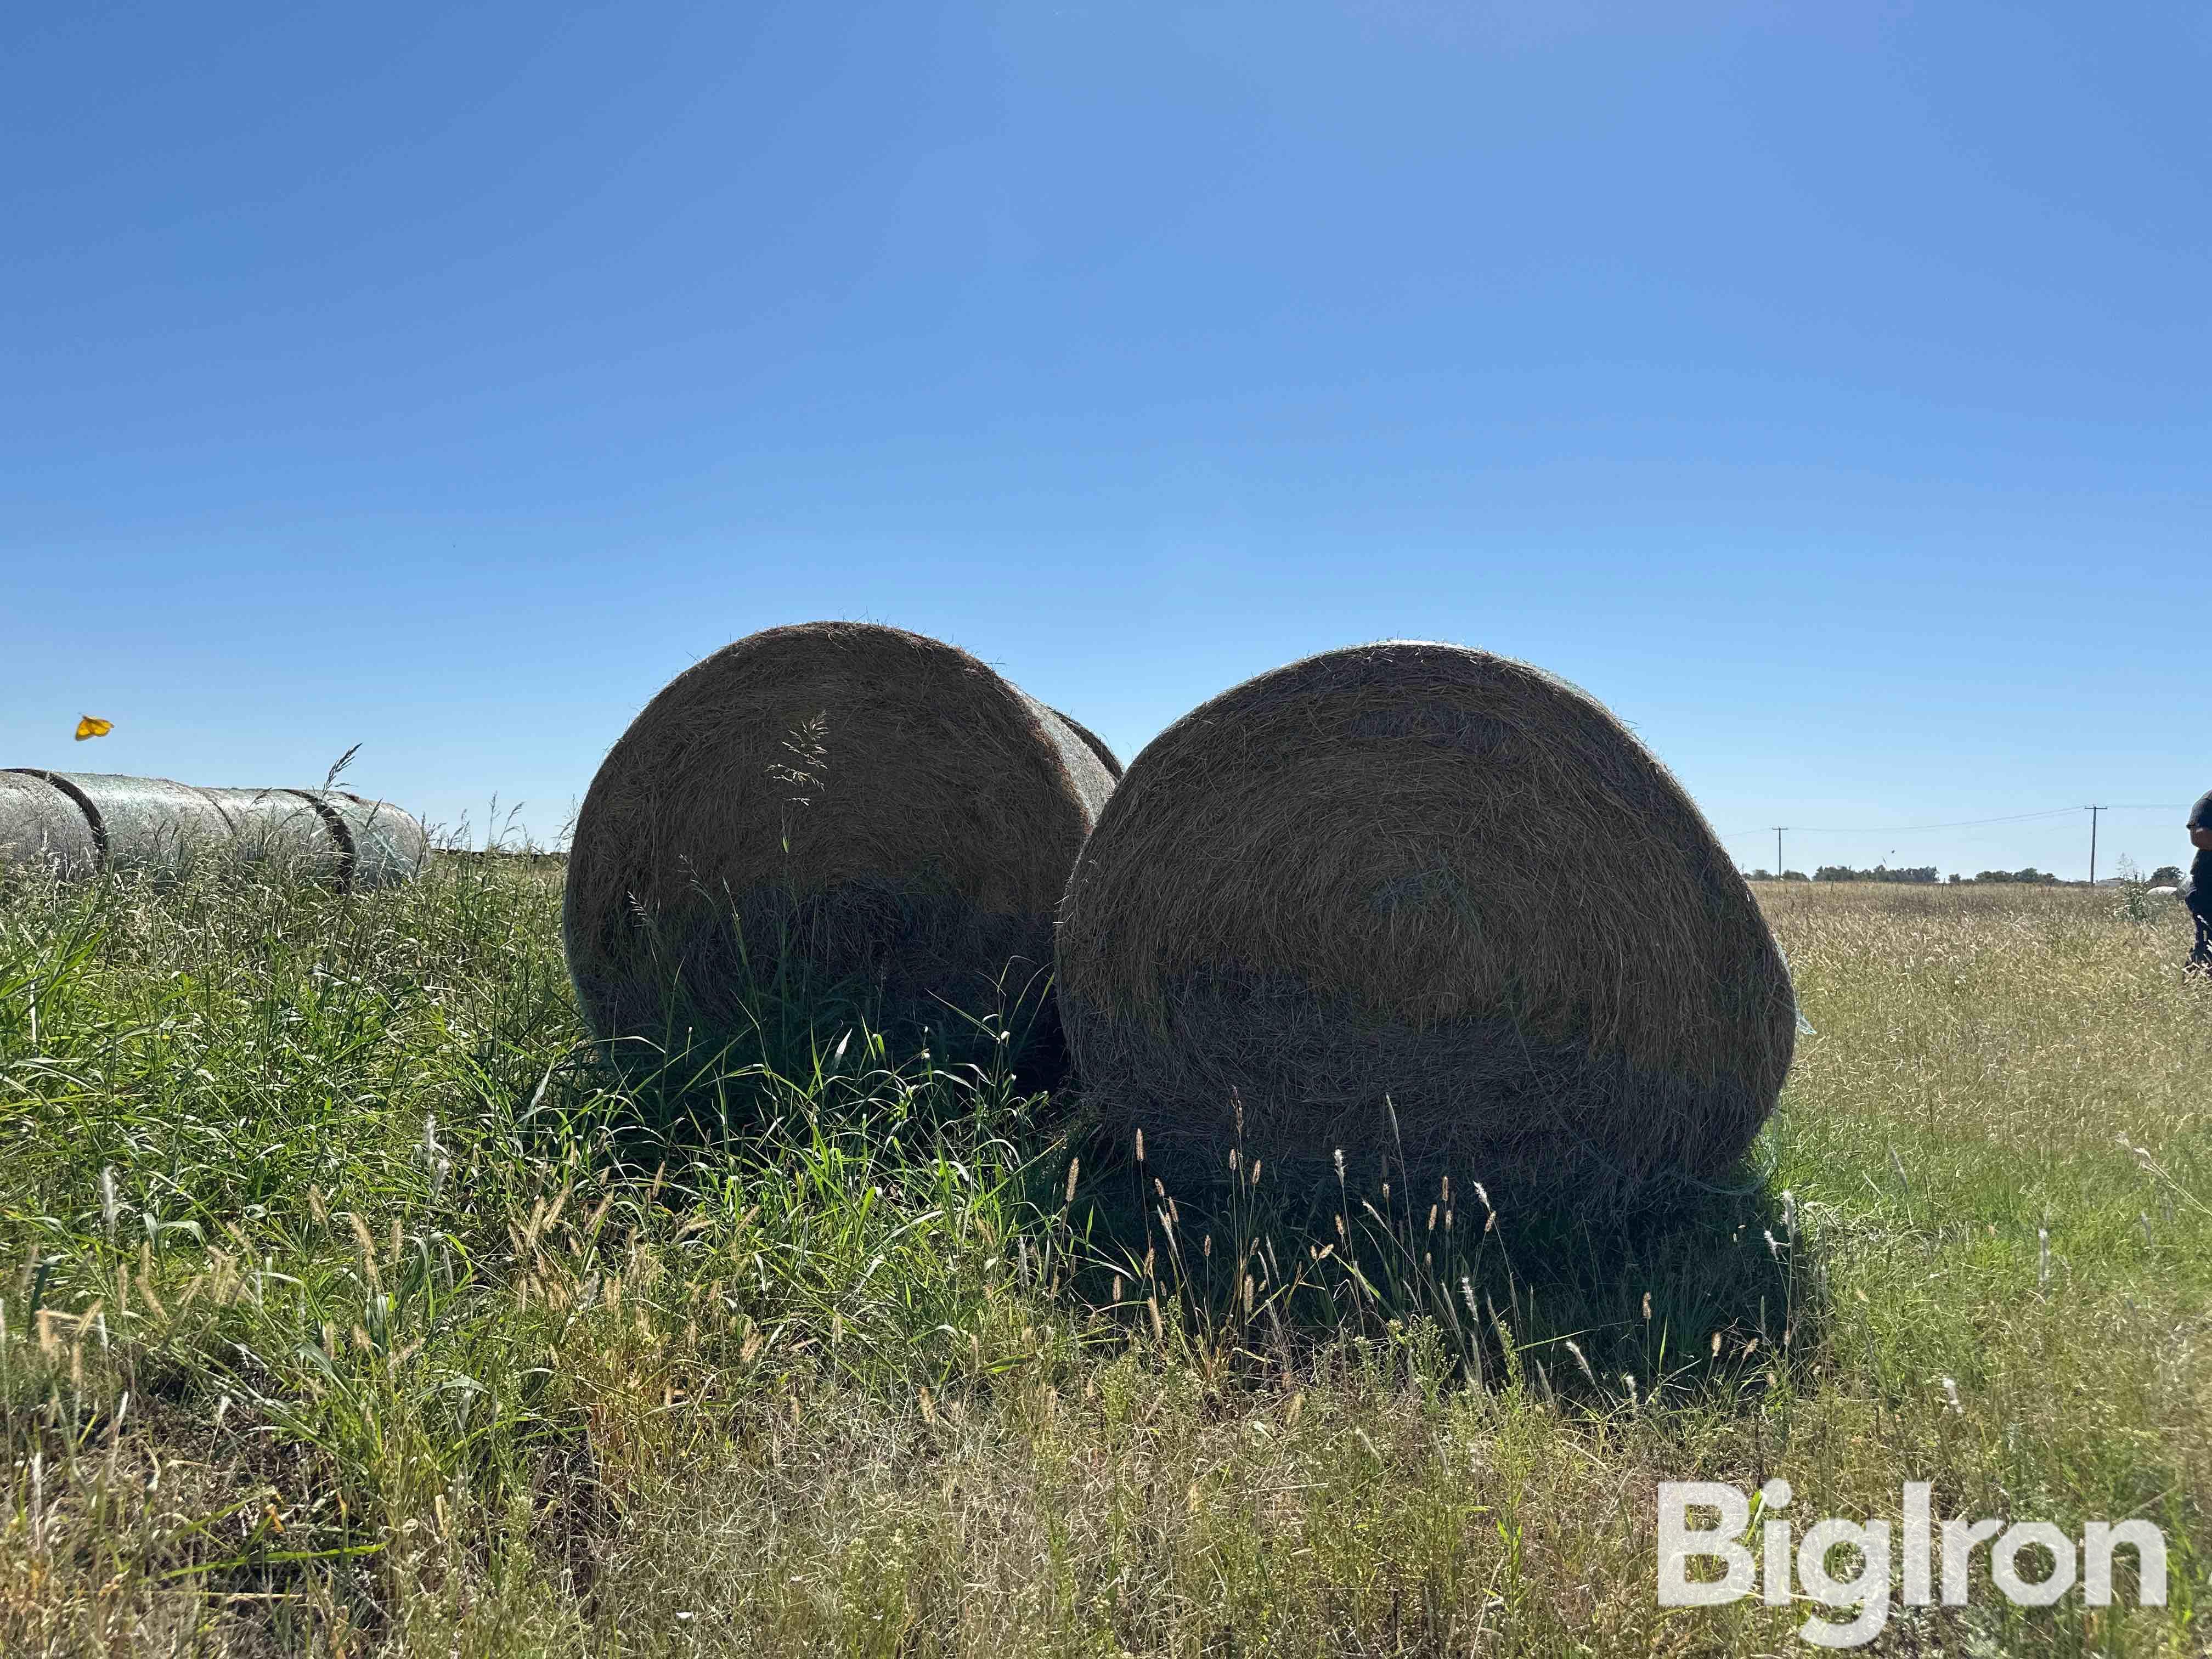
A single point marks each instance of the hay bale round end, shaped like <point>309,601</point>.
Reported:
<point>43,827</point>
<point>1418,902</point>
<point>842,804</point>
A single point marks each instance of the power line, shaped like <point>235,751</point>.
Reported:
<point>1900,828</point>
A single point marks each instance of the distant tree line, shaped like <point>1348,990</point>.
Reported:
<point>1925,875</point>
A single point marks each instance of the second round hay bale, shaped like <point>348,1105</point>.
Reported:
<point>838,807</point>
<point>42,827</point>
<point>1417,879</point>
<point>1095,743</point>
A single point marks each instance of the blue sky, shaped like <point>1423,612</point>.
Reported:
<point>1829,389</point>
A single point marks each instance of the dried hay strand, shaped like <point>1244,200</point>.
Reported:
<point>834,806</point>
<point>1418,880</point>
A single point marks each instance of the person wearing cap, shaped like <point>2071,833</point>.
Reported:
<point>2200,881</point>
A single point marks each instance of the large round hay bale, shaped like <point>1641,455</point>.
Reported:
<point>1419,879</point>
<point>825,810</point>
<point>42,827</point>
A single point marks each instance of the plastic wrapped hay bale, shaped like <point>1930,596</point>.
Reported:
<point>1417,879</point>
<point>43,827</point>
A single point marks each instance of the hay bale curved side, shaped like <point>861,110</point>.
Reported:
<point>43,827</point>
<point>384,845</point>
<point>1432,877</point>
<point>832,804</point>
<point>153,824</point>
<point>280,827</point>
<point>1092,741</point>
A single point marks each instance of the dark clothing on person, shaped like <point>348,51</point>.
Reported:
<point>2200,886</point>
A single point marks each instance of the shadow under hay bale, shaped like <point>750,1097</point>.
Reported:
<point>163,827</point>
<point>828,813</point>
<point>1432,908</point>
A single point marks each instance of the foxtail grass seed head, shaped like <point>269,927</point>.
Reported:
<point>1073,1164</point>
<point>1574,1348</point>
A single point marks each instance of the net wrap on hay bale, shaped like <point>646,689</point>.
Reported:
<point>1420,880</point>
<point>43,827</point>
<point>840,803</point>
<point>159,826</point>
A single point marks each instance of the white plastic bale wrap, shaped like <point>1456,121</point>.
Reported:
<point>288,828</point>
<point>388,846</point>
<point>153,824</point>
<point>41,827</point>
<point>82,822</point>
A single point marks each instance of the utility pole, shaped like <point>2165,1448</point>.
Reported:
<point>2093,812</point>
<point>1778,829</point>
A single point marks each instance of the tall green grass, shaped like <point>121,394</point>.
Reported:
<point>350,1307</point>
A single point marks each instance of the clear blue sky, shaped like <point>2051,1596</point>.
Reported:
<point>1828,388</point>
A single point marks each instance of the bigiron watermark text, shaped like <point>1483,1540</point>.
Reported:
<point>1936,1558</point>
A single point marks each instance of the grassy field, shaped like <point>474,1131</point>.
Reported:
<point>341,1313</point>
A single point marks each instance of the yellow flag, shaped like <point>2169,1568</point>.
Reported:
<point>90,728</point>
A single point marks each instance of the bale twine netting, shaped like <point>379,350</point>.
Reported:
<point>161,827</point>
<point>1422,881</point>
<point>837,810</point>
<point>41,828</point>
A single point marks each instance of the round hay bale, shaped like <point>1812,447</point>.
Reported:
<point>1419,879</point>
<point>826,808</point>
<point>383,846</point>
<point>152,825</point>
<point>1094,742</point>
<point>42,827</point>
<point>284,828</point>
